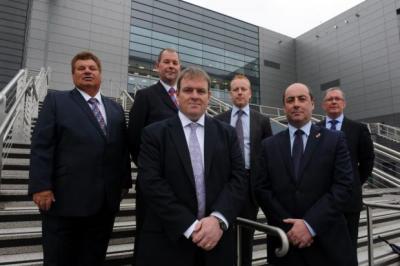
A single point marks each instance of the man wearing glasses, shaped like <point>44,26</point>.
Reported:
<point>361,152</point>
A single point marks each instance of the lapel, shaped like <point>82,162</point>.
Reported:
<point>345,127</point>
<point>80,101</point>
<point>210,133</point>
<point>312,143</point>
<point>284,141</point>
<point>165,96</point>
<point>226,117</point>
<point>178,138</point>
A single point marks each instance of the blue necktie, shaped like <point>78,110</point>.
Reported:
<point>297,152</point>
<point>333,124</point>
<point>198,170</point>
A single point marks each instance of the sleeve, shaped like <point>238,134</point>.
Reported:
<point>325,211</point>
<point>43,148</point>
<point>365,154</point>
<point>137,121</point>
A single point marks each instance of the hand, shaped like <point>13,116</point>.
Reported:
<point>299,235</point>
<point>44,199</point>
<point>207,233</point>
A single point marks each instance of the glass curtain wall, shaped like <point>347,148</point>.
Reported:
<point>221,45</point>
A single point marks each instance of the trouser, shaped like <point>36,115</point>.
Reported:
<point>78,241</point>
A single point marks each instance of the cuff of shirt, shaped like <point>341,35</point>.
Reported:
<point>220,216</point>
<point>310,229</point>
<point>190,230</point>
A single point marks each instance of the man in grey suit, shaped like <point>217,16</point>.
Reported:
<point>251,128</point>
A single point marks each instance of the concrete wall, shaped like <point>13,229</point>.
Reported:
<point>361,47</point>
<point>60,29</point>
<point>280,49</point>
<point>13,24</point>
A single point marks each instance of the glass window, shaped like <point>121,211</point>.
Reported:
<point>211,63</point>
<point>192,44</point>
<point>165,37</point>
<point>214,50</point>
<point>234,55</point>
<point>140,39</point>
<point>214,57</point>
<point>190,51</point>
<point>162,44</point>
<point>140,47</point>
<point>141,31</point>
<point>191,59</point>
<point>234,62</point>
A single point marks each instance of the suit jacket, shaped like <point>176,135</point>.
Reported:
<point>317,196</point>
<point>71,156</point>
<point>151,105</point>
<point>260,128</point>
<point>167,184</point>
<point>362,157</point>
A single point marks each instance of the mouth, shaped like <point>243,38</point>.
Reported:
<point>87,78</point>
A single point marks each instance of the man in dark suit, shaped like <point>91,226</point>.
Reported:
<point>79,168</point>
<point>152,104</point>
<point>251,128</point>
<point>306,178</point>
<point>361,150</point>
<point>156,102</point>
<point>192,177</point>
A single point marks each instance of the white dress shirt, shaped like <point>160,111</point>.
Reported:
<point>339,122</point>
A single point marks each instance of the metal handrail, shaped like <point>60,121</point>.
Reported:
<point>11,84</point>
<point>386,131</point>
<point>268,229</point>
<point>10,114</point>
<point>369,206</point>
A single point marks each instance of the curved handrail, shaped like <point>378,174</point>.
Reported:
<point>268,229</point>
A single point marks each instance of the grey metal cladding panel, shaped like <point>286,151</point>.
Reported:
<point>141,23</point>
<point>117,6</point>
<point>37,34</point>
<point>376,79</point>
<point>70,13</point>
<point>142,7</point>
<point>112,23</point>
<point>108,48</point>
<point>6,65</point>
<point>12,24</point>
<point>107,13</point>
<point>12,12</point>
<point>377,55</point>
<point>58,38</point>
<point>10,58</point>
<point>22,4</point>
<point>69,31</point>
<point>37,44</point>
<point>12,38</point>
<point>165,6</point>
<point>161,28</point>
<point>195,23</point>
<point>12,45</point>
<point>7,31</point>
<point>147,16</point>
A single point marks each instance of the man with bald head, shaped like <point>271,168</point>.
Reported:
<point>306,178</point>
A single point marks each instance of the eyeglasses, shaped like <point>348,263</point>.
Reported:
<point>336,99</point>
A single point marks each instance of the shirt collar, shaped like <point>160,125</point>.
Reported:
<point>186,121</point>
<point>306,129</point>
<point>339,119</point>
<point>245,109</point>
<point>167,86</point>
<point>87,96</point>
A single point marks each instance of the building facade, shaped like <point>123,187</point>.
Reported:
<point>358,50</point>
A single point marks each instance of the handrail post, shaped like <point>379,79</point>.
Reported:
<point>370,237</point>
<point>2,117</point>
<point>239,245</point>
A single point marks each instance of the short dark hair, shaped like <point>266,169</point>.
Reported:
<point>85,55</point>
<point>308,88</point>
<point>193,72</point>
<point>171,50</point>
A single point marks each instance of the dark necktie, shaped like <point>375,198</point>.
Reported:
<point>171,93</point>
<point>333,124</point>
<point>297,151</point>
<point>96,111</point>
<point>198,170</point>
<point>239,129</point>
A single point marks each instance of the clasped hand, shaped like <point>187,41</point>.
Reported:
<point>207,233</point>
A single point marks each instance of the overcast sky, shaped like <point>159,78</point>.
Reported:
<point>289,17</point>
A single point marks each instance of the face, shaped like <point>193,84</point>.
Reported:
<point>169,67</point>
<point>240,92</point>
<point>193,97</point>
<point>298,105</point>
<point>87,76</point>
<point>334,104</point>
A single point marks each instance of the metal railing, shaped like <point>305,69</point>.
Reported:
<point>395,205</point>
<point>19,101</point>
<point>268,229</point>
<point>385,131</point>
<point>126,100</point>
